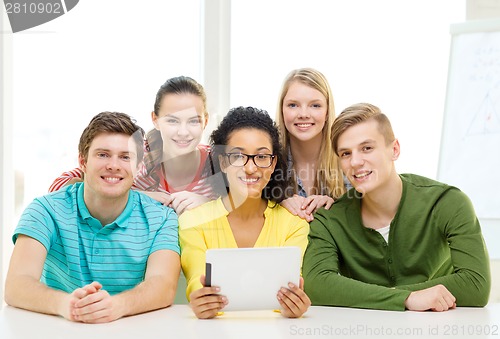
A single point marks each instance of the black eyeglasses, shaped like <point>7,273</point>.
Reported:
<point>241,159</point>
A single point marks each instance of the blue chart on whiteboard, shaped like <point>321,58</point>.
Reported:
<point>470,148</point>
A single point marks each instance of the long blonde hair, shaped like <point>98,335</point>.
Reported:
<point>328,174</point>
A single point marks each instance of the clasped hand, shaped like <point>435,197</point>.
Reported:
<point>91,304</point>
<point>436,298</point>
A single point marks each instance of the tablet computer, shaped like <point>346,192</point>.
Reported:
<point>250,278</point>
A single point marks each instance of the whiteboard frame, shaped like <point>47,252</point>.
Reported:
<point>475,26</point>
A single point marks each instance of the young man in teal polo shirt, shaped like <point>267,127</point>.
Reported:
<point>97,251</point>
<point>393,242</point>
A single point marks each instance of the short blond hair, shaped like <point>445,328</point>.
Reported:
<point>359,113</point>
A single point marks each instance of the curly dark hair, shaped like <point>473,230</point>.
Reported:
<point>249,117</point>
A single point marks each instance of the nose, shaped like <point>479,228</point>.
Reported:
<point>183,130</point>
<point>356,159</point>
<point>250,166</point>
<point>112,164</point>
<point>304,112</point>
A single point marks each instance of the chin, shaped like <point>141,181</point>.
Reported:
<point>362,189</point>
<point>113,193</point>
<point>182,151</point>
<point>255,194</point>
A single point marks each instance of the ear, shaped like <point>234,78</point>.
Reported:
<point>154,119</point>
<point>82,163</point>
<point>275,161</point>
<point>205,116</point>
<point>396,150</point>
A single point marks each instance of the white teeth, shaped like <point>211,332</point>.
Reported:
<point>111,179</point>
<point>183,142</point>
<point>304,125</point>
<point>249,179</point>
<point>362,175</point>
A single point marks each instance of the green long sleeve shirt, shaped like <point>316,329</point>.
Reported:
<point>434,238</point>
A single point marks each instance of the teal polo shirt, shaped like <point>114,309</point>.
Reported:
<point>80,250</point>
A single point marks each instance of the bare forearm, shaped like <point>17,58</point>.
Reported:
<point>30,294</point>
<point>152,294</point>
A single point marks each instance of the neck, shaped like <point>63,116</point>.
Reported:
<point>384,202</point>
<point>305,151</point>
<point>244,208</point>
<point>106,210</point>
<point>181,164</point>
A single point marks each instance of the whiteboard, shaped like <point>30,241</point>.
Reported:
<point>470,145</point>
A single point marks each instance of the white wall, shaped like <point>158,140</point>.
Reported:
<point>6,173</point>
<point>391,53</point>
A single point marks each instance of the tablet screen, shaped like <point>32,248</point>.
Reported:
<point>250,278</point>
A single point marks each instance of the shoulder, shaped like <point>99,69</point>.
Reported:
<point>151,207</point>
<point>423,195</point>
<point>146,202</point>
<point>205,149</point>
<point>204,152</point>
<point>344,212</point>
<point>47,215</point>
<point>424,186</point>
<point>420,181</point>
<point>65,198</point>
<point>350,200</point>
<point>282,215</point>
<point>203,214</point>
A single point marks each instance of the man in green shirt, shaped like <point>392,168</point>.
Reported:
<point>393,242</point>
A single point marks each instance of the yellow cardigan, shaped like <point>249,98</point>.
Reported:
<point>206,226</point>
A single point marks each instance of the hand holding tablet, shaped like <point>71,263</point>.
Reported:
<point>250,278</point>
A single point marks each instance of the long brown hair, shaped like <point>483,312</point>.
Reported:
<point>154,142</point>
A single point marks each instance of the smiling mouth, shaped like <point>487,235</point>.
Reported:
<point>304,125</point>
<point>112,180</point>
<point>249,180</point>
<point>362,175</point>
<point>183,142</point>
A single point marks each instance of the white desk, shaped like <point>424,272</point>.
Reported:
<point>178,321</point>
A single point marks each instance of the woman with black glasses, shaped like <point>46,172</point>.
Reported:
<point>247,153</point>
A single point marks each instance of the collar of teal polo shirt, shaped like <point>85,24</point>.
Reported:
<point>121,221</point>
